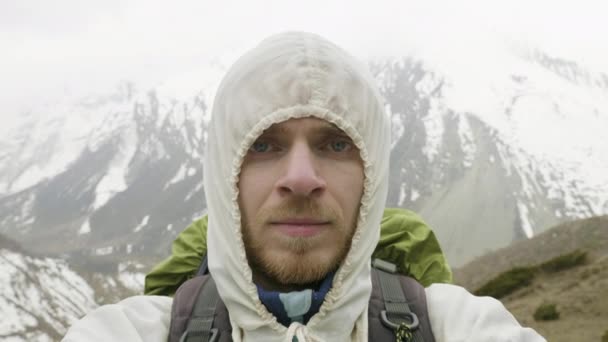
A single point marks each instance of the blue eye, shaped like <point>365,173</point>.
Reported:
<point>339,145</point>
<point>260,147</point>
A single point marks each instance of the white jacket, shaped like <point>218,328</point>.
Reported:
<point>295,75</point>
<point>455,316</point>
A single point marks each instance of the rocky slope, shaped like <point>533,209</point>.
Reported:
<point>579,293</point>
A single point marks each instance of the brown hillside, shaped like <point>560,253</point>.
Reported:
<point>579,293</point>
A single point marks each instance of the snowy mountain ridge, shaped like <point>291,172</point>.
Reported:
<point>544,108</point>
<point>499,151</point>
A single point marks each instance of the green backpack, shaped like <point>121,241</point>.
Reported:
<point>405,240</point>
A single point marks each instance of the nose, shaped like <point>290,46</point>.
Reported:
<point>301,175</point>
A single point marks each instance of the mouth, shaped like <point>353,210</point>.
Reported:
<point>300,227</point>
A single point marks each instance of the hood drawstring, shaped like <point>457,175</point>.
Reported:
<point>298,333</point>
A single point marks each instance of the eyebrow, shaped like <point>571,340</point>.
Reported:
<point>332,129</point>
<point>326,128</point>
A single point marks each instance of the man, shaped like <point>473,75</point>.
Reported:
<point>296,178</point>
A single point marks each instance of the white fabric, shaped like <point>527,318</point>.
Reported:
<point>455,315</point>
<point>287,76</point>
<point>135,319</point>
<point>458,316</point>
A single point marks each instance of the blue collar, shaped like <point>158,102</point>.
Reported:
<point>274,304</point>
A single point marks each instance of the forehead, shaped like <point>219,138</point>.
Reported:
<point>303,125</point>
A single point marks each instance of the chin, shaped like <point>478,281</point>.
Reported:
<point>300,268</point>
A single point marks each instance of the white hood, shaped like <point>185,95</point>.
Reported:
<point>294,75</point>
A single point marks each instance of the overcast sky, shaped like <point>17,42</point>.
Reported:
<point>50,48</point>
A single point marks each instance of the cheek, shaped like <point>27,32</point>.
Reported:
<point>254,186</point>
<point>346,182</point>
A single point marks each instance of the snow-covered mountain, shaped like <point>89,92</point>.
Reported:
<point>41,297</point>
<point>74,177</point>
<point>492,157</point>
<point>488,148</point>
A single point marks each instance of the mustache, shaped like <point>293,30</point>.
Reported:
<point>298,208</point>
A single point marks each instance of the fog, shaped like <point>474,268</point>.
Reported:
<point>67,47</point>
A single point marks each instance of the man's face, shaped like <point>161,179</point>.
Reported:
<point>300,188</point>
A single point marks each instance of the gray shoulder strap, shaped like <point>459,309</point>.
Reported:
<point>402,307</point>
<point>198,313</point>
<point>200,327</point>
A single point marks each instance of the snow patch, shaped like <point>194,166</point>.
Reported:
<point>434,128</point>
<point>104,251</point>
<point>27,207</point>
<point>132,281</point>
<point>199,186</point>
<point>467,141</point>
<point>179,176</point>
<point>85,228</point>
<point>31,176</point>
<point>143,223</point>
<point>129,276</point>
<point>525,220</point>
<point>414,195</point>
<point>402,195</point>
<point>397,127</point>
<point>114,180</point>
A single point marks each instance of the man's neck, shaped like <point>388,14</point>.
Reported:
<point>295,305</point>
<point>270,284</point>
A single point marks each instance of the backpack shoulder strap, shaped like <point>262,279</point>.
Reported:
<point>397,307</point>
<point>198,313</point>
<point>397,310</point>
